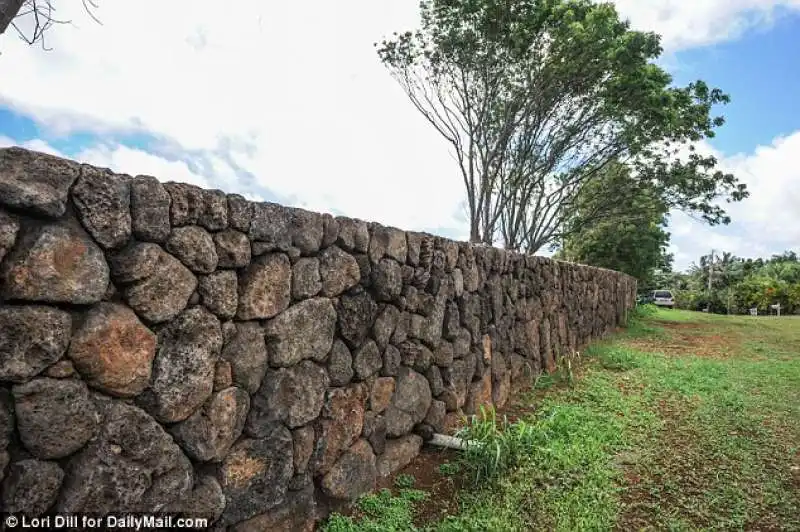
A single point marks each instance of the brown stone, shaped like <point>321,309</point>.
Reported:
<point>344,421</point>
<point>353,474</point>
<point>265,287</point>
<point>398,454</point>
<point>480,394</point>
<point>381,394</point>
<point>223,375</point>
<point>113,351</point>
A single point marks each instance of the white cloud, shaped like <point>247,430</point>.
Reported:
<point>292,92</point>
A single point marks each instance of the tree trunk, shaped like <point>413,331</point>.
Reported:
<point>8,11</point>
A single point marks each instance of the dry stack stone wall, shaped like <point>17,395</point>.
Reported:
<point>165,348</point>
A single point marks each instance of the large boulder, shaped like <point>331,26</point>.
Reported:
<point>338,271</point>
<point>113,351</point>
<point>55,263</point>
<point>356,314</point>
<point>353,474</point>
<point>305,278</point>
<point>103,203</point>
<point>132,466</point>
<point>55,417</point>
<point>135,262</point>
<point>31,487</point>
<point>265,287</point>
<point>194,247</point>
<point>247,355</point>
<point>218,292</point>
<point>31,338</point>
<point>255,475</point>
<point>412,397</point>
<point>387,242</point>
<point>240,213</point>
<point>301,332</point>
<point>340,426</point>
<point>291,395</point>
<point>163,294</point>
<point>209,433</point>
<point>183,369</point>
<point>36,182</point>
<point>398,454</point>
<point>150,204</point>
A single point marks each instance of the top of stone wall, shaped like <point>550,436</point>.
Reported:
<point>117,207</point>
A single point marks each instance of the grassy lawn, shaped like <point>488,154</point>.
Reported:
<point>684,421</point>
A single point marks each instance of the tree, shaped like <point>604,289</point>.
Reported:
<point>632,239</point>
<point>42,14</point>
<point>537,97</point>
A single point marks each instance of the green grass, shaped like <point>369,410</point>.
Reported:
<point>684,421</point>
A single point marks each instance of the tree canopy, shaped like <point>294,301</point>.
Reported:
<point>537,97</point>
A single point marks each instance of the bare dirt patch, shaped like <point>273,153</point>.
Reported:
<point>684,338</point>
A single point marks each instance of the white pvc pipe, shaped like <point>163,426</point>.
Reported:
<point>450,442</point>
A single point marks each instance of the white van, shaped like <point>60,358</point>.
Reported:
<point>662,298</point>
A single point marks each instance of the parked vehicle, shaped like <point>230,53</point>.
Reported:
<point>662,298</point>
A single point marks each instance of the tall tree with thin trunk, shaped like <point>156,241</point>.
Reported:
<point>537,97</point>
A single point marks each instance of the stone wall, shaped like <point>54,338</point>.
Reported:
<point>169,349</point>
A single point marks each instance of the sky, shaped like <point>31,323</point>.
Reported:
<point>288,102</point>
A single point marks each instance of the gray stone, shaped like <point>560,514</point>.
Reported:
<point>340,364</point>
<point>387,280</point>
<point>271,224</point>
<point>255,475</point>
<point>103,203</point>
<point>209,433</point>
<point>113,351</point>
<point>56,263</point>
<point>292,395</point>
<point>183,370</point>
<point>218,292</point>
<point>247,354</point>
<point>223,375</point>
<point>55,417</point>
<point>31,338</point>
<point>436,415</point>
<point>214,215</point>
<point>341,424</point>
<point>265,287</point>
<point>194,247</point>
<point>367,360</point>
<point>297,514</point>
<point>385,325</point>
<point>233,249</point>
<point>36,182</point>
<point>387,242</point>
<point>398,454</point>
<point>307,230</point>
<point>356,314</point>
<point>135,262</point>
<point>398,422</point>
<point>303,439</point>
<point>6,420</point>
<point>31,487</point>
<point>206,500</point>
<point>303,331</point>
<point>353,474</point>
<point>353,235</point>
<point>413,245</point>
<point>338,271</point>
<point>305,278</point>
<point>375,431</point>
<point>162,295</point>
<point>132,466</point>
<point>9,228</point>
<point>240,213</point>
<point>391,361</point>
<point>150,205</point>
<point>187,203</point>
<point>444,354</point>
<point>434,377</point>
<point>63,369</point>
<point>330,230</point>
<point>412,394</point>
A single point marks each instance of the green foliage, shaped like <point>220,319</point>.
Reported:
<point>537,96</point>
<point>449,469</point>
<point>629,237</point>
<point>405,481</point>
<point>382,512</point>
<point>494,446</point>
<point>738,285</point>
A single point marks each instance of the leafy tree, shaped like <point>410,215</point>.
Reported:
<point>631,239</point>
<point>537,97</point>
